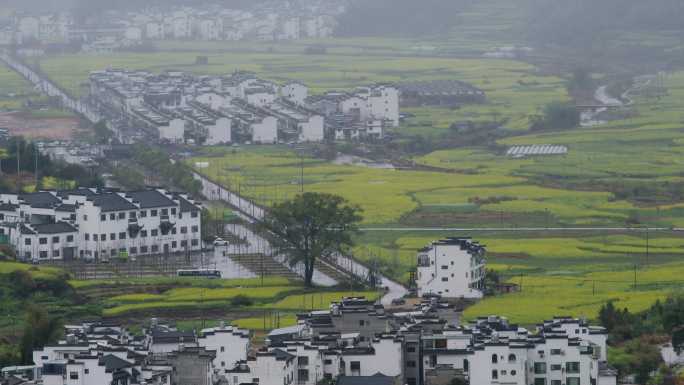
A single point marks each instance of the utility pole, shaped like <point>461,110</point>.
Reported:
<point>647,245</point>
<point>35,172</point>
<point>635,276</point>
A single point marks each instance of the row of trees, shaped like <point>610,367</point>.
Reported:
<point>639,336</point>
<point>24,157</point>
<point>175,173</point>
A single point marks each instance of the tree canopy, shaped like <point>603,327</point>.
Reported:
<point>312,225</point>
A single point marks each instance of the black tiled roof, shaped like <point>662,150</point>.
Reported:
<point>151,199</point>
<point>54,228</point>
<point>77,191</point>
<point>114,363</point>
<point>186,206</point>
<point>40,199</point>
<point>112,202</point>
<point>64,207</point>
<point>8,207</point>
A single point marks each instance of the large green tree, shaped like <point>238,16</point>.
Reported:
<point>312,225</point>
<point>40,330</point>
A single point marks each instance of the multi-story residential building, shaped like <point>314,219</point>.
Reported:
<point>451,268</point>
<point>100,224</point>
<point>418,348</point>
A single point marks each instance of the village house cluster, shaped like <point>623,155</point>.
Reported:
<point>93,224</point>
<point>112,30</point>
<point>175,107</point>
<point>355,342</point>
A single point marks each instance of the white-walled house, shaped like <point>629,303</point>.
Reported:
<point>275,367</point>
<point>220,132</point>
<point>230,343</point>
<point>174,132</point>
<point>100,224</point>
<point>265,131</point>
<point>295,92</point>
<point>451,268</point>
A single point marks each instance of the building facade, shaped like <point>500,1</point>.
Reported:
<point>451,268</point>
<point>96,224</point>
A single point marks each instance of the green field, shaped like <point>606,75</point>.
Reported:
<point>14,90</point>
<point>625,173</point>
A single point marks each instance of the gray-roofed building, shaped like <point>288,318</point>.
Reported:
<point>100,224</point>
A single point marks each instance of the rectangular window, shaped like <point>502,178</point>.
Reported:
<point>445,267</point>
<point>153,213</point>
<point>55,239</point>
<point>27,241</point>
<point>303,360</point>
<point>103,217</point>
<point>440,344</point>
<point>122,235</point>
<point>195,242</point>
<point>55,253</point>
<point>143,249</point>
<point>194,214</point>
<point>122,215</point>
<point>70,238</point>
<point>131,215</point>
<point>327,362</point>
<point>555,367</point>
<point>572,367</point>
<point>184,229</point>
<point>155,248</point>
<point>86,236</point>
<point>134,250</point>
<point>540,368</point>
<point>303,375</point>
<point>42,241</point>
<point>43,254</point>
<point>195,229</point>
<point>103,237</point>
<point>143,233</point>
<point>573,381</point>
<point>411,364</point>
<point>112,216</point>
<point>174,244</point>
<point>355,365</point>
<point>411,349</point>
<point>73,375</point>
<point>555,352</point>
<point>556,382</point>
<point>445,279</point>
<point>165,212</point>
<point>540,381</point>
<point>173,211</point>
<point>143,214</point>
<point>184,243</point>
<point>155,232</point>
<point>112,236</point>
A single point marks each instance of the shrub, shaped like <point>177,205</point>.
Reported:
<point>241,300</point>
